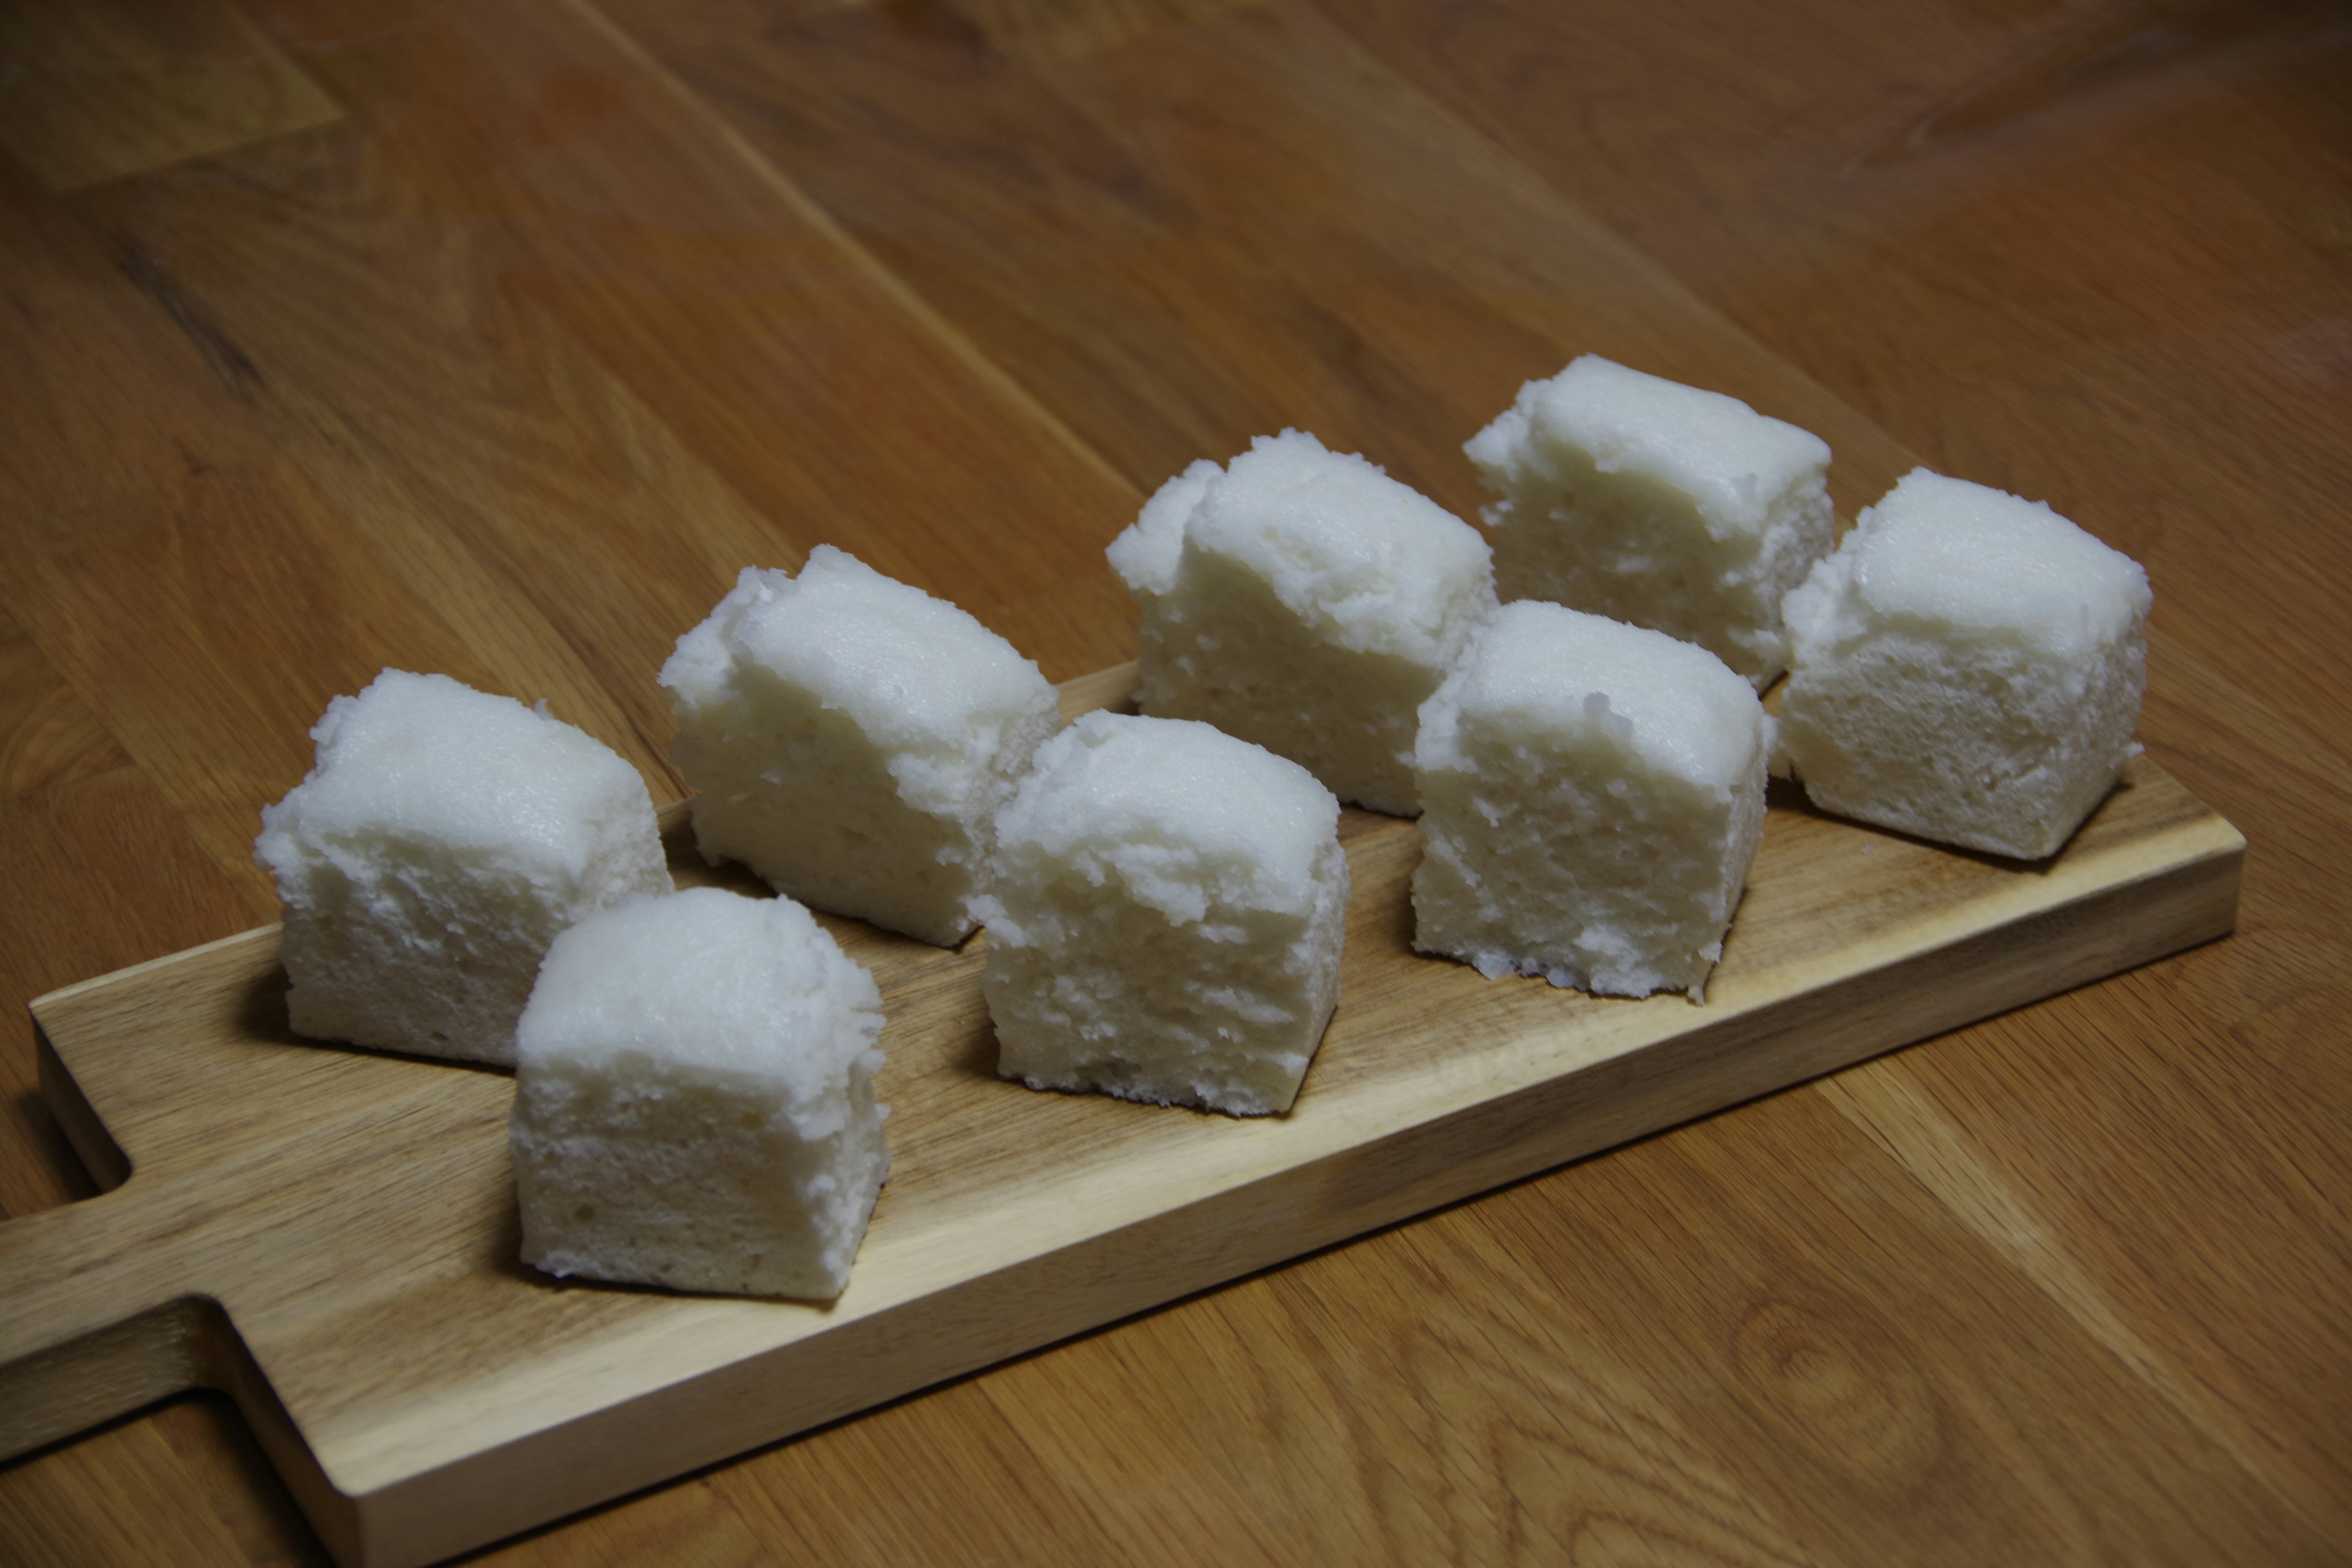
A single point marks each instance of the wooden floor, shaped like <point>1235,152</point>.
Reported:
<point>492,338</point>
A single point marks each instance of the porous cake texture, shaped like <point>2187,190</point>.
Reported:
<point>694,1099</point>
<point>1656,503</point>
<point>1167,920</point>
<point>1593,794</point>
<point>441,840</point>
<point>851,738</point>
<point>1305,600</point>
<point>1968,667</point>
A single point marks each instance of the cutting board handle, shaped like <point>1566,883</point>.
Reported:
<point>94,1321</point>
<point>99,1313</point>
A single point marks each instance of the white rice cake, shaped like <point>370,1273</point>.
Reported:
<point>441,840</point>
<point>694,1099</point>
<point>1967,667</point>
<point>1307,601</point>
<point>1656,503</point>
<point>1593,794</point>
<point>851,738</point>
<point>1167,922</point>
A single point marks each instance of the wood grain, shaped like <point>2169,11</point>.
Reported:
<point>332,1232</point>
<point>576,308</point>
<point>97,90</point>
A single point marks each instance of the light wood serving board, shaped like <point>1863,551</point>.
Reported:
<point>330,1233</point>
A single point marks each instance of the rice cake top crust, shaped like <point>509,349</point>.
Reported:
<point>1363,561</point>
<point>1146,555</point>
<point>1731,460</point>
<point>1550,671</point>
<point>423,757</point>
<point>1940,556</point>
<point>914,672</point>
<point>705,982</point>
<point>1179,812</point>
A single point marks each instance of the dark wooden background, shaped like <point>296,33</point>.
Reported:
<point>493,337</point>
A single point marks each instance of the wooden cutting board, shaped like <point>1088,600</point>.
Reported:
<point>330,1233</point>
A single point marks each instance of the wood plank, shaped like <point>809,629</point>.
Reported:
<point>1807,1312</point>
<point>90,1503</point>
<point>744,331</point>
<point>1528,1436</point>
<point>446,1396</point>
<point>48,737</point>
<point>100,89</point>
<point>160,545</point>
<point>1216,230</point>
<point>119,833</point>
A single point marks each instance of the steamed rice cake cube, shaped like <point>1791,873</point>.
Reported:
<point>851,738</point>
<point>1593,794</point>
<point>1307,602</point>
<point>1167,920</point>
<point>694,1099</point>
<point>1969,668</point>
<point>443,839</point>
<point>1655,503</point>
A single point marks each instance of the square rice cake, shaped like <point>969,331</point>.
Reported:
<point>694,1099</point>
<point>1968,666</point>
<point>1659,504</point>
<point>1593,795</point>
<point>851,738</point>
<point>443,839</point>
<point>1307,602</point>
<point>1167,922</point>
